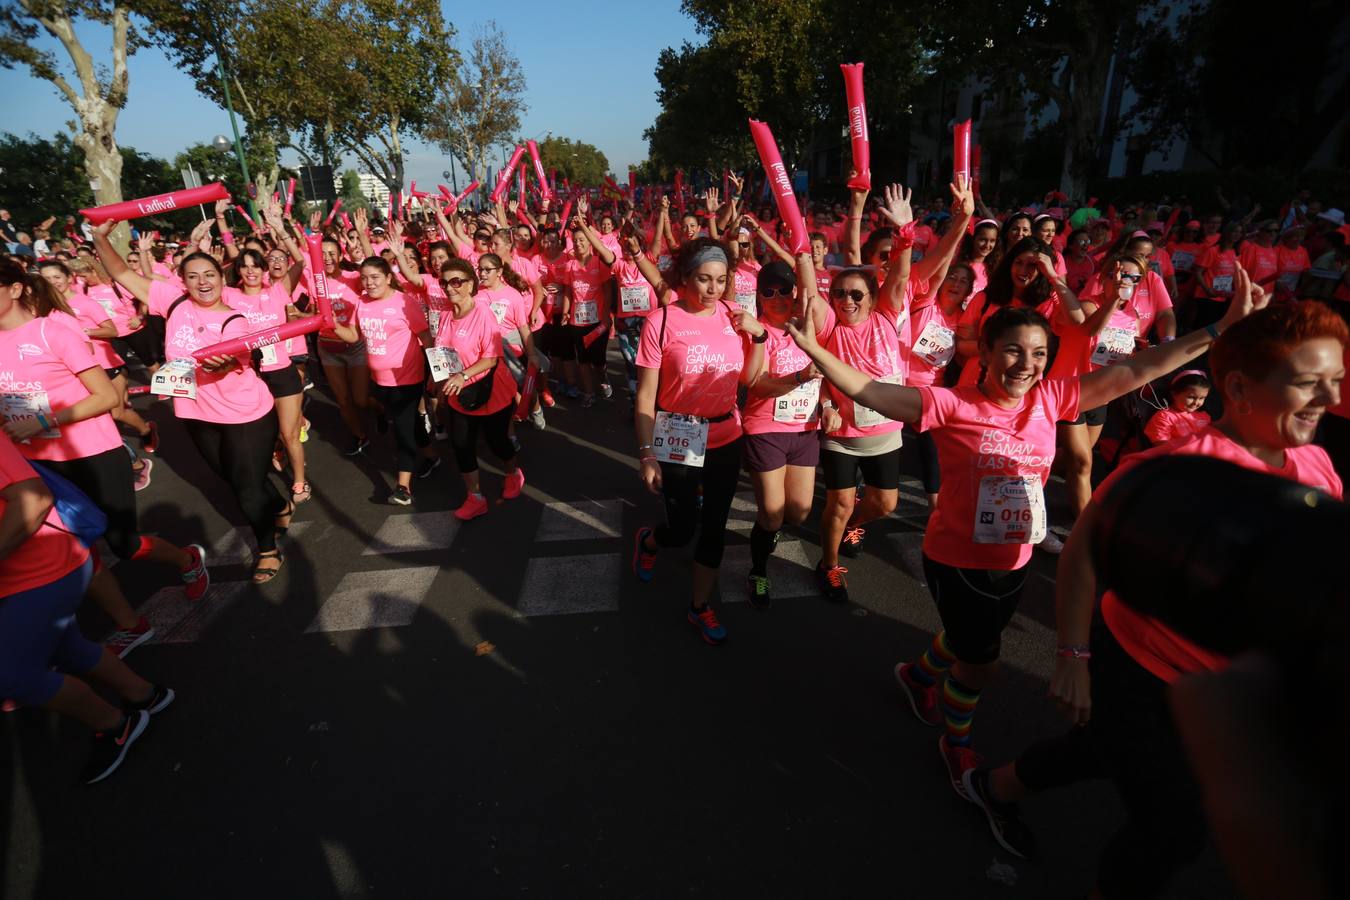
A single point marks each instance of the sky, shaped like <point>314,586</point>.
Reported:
<point>589,72</point>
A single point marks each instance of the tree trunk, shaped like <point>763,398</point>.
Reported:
<point>1088,65</point>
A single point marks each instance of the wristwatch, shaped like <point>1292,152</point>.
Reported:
<point>763,336</point>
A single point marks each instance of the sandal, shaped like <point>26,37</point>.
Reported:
<point>261,574</point>
<point>283,526</point>
<point>300,492</point>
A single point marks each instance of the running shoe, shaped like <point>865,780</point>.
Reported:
<point>546,398</point>
<point>429,465</point>
<point>110,747</point>
<point>572,391</point>
<point>832,583</point>
<point>1005,819</point>
<point>141,476</point>
<point>852,543</point>
<point>122,642</point>
<point>442,434</point>
<point>515,483</point>
<point>358,444</point>
<point>308,385</point>
<point>401,496</point>
<point>196,576</point>
<point>150,440</point>
<point>705,620</point>
<point>587,401</point>
<point>606,391</point>
<point>1051,543</point>
<point>757,588</point>
<point>474,506</point>
<point>537,419</point>
<point>644,560</point>
<point>159,700</point>
<point>515,442</point>
<point>923,700</point>
<point>958,761</point>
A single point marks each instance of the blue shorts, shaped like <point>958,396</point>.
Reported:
<point>38,631</point>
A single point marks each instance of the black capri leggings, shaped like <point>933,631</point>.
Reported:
<point>679,486</point>
<point>106,479</point>
<point>242,455</point>
<point>975,605</point>
<point>400,405</point>
<point>929,470</point>
<point>147,343</point>
<point>594,355</point>
<point>464,431</point>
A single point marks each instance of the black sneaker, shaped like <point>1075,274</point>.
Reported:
<point>401,496</point>
<point>851,544</point>
<point>428,466</point>
<point>159,700</point>
<point>832,583</point>
<point>757,587</point>
<point>110,747</point>
<point>358,444</point>
<point>1005,821</point>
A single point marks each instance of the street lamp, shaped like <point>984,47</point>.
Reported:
<point>221,143</point>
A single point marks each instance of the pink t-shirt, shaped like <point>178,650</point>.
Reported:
<point>745,277</point>
<point>90,314</point>
<point>115,305</point>
<point>40,363</point>
<point>1167,424</point>
<point>474,337</point>
<point>341,296</point>
<point>977,312</point>
<point>1076,349</point>
<point>1261,263</point>
<point>588,301</point>
<point>51,553</point>
<point>801,405</point>
<point>553,279</point>
<point>636,295</point>
<point>1079,272</point>
<point>700,360</point>
<point>872,347</point>
<point>510,308</point>
<point>266,309</point>
<point>390,327</point>
<point>1219,266</point>
<point>1290,265</point>
<point>980,445</point>
<point>1152,644</point>
<point>932,342</point>
<point>233,397</point>
<point>525,267</point>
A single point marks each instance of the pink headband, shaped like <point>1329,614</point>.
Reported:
<point>1182,374</point>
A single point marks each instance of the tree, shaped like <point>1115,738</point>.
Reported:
<point>480,104</point>
<point>580,163</point>
<point>351,194</point>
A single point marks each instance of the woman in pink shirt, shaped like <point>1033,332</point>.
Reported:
<point>640,285</point>
<point>1259,256</point>
<point>693,356</point>
<point>553,339</point>
<point>1183,417</point>
<point>1279,370</point>
<point>587,314</point>
<point>996,440</point>
<point>980,250</point>
<point>225,406</point>
<point>480,393</point>
<point>1216,270</point>
<point>1291,261</point>
<point>395,332</point>
<point>346,367</point>
<point>1078,264</point>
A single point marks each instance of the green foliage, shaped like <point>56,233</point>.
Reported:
<point>577,161</point>
<point>350,193</point>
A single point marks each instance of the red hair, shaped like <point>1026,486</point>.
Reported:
<point>1256,345</point>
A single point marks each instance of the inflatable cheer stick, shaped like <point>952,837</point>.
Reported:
<point>632,184</point>
<point>347,222</point>
<point>337,204</point>
<point>314,243</point>
<point>445,192</point>
<point>248,343</point>
<point>290,198</point>
<point>564,224</point>
<point>520,184</point>
<point>861,179</point>
<point>539,170</point>
<point>251,224</point>
<point>788,211</point>
<point>975,169</point>
<point>594,335</point>
<point>961,151</point>
<point>527,392</point>
<point>456,201</point>
<point>149,206</point>
<point>504,177</point>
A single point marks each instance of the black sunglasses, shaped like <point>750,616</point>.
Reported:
<point>454,282</point>
<point>775,292</point>
<point>743,245</point>
<point>1132,279</point>
<point>855,295</point>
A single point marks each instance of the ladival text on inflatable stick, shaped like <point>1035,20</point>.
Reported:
<point>290,198</point>
<point>258,339</point>
<point>783,194</point>
<point>314,243</point>
<point>337,204</point>
<point>149,206</point>
<point>539,170</point>
<point>861,177</point>
<point>504,177</point>
<point>961,150</point>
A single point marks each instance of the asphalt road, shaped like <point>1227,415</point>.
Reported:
<point>500,709</point>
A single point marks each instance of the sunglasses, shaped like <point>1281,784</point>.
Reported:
<point>1132,279</point>
<point>454,282</point>
<point>775,292</point>
<point>855,295</point>
<point>743,245</point>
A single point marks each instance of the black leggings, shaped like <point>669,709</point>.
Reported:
<point>145,343</point>
<point>464,430</point>
<point>929,471</point>
<point>1131,740</point>
<point>106,479</point>
<point>679,486</point>
<point>242,455</point>
<point>975,606</point>
<point>400,405</point>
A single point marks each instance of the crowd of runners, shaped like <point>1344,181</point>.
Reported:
<point>1002,343</point>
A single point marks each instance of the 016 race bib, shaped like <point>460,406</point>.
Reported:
<point>176,378</point>
<point>1010,509</point>
<point>680,439</point>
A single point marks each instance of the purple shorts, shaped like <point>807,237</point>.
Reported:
<point>775,449</point>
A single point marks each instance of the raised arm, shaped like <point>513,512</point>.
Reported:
<point>903,404</point>
<point>933,267</point>
<point>362,226</point>
<point>853,240</point>
<point>410,275</point>
<point>606,255</point>
<point>896,209</point>
<point>776,248</point>
<point>223,226</point>
<point>117,267</point>
<point>648,269</point>
<point>710,202</point>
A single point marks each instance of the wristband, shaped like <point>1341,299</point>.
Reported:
<point>643,459</point>
<point>1168,339</point>
<point>904,236</point>
<point>644,447</point>
<point>226,238</point>
<point>797,376</point>
<point>1212,331</point>
<point>827,404</point>
<point>1074,652</point>
<point>763,336</point>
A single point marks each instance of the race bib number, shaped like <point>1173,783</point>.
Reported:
<point>864,417</point>
<point>176,378</point>
<point>635,299</point>
<point>1222,284</point>
<point>680,439</point>
<point>585,312</point>
<point>798,406</point>
<point>936,345</point>
<point>26,405</point>
<point>1010,510</point>
<point>109,308</point>
<point>444,362</point>
<point>746,302</point>
<point>1182,261</point>
<point>499,310</point>
<point>1288,281</point>
<point>1113,345</point>
<point>269,355</point>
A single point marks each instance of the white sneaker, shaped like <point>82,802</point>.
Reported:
<point>537,419</point>
<point>1052,544</point>
<point>605,390</point>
